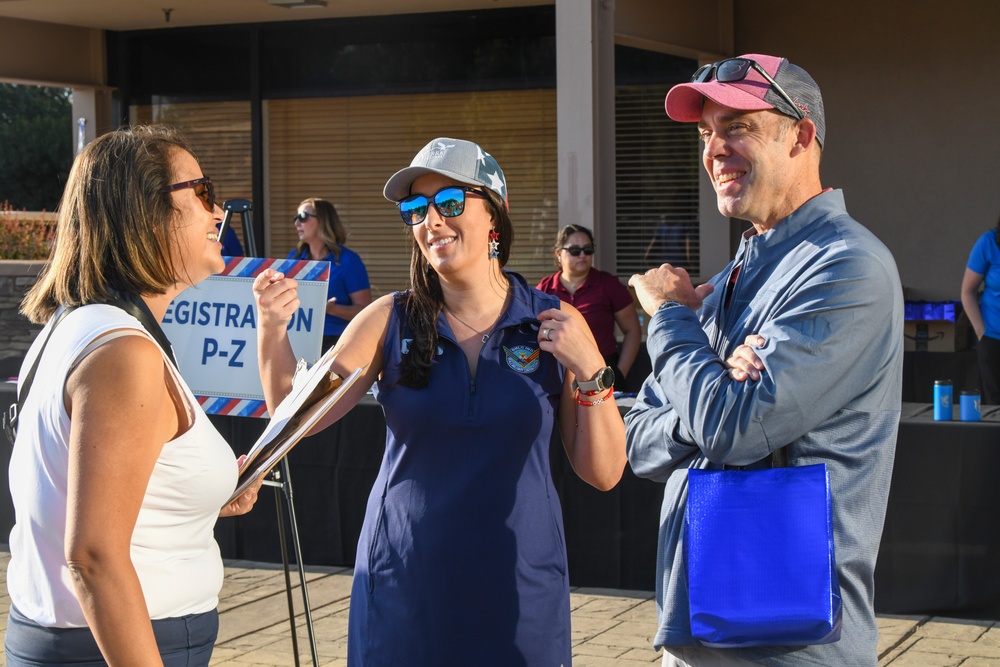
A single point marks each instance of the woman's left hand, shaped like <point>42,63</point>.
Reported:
<point>564,333</point>
<point>245,502</point>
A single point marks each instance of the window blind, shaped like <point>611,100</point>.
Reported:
<point>219,135</point>
<point>344,149</point>
<point>657,161</point>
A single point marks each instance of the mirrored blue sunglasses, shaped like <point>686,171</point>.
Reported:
<point>449,203</point>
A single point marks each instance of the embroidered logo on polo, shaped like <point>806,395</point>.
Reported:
<point>404,347</point>
<point>522,358</point>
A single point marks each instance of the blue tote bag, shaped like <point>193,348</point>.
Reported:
<point>760,557</point>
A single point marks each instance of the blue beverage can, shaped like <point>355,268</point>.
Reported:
<point>968,406</point>
<point>942,400</point>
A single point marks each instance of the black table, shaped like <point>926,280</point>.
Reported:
<point>331,475</point>
<point>939,550</point>
<point>610,536</point>
<point>941,545</point>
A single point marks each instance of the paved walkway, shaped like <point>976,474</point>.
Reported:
<point>611,628</point>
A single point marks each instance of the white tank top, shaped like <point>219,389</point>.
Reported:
<point>173,549</point>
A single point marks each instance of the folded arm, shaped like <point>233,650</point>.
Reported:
<point>826,341</point>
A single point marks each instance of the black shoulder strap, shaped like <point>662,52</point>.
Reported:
<point>10,417</point>
<point>135,307</point>
<point>138,309</point>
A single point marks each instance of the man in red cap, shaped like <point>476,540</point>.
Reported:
<point>797,344</point>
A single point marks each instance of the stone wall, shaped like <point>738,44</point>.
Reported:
<point>16,332</point>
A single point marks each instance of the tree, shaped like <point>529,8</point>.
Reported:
<point>36,145</point>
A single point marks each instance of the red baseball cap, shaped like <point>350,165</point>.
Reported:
<point>752,92</point>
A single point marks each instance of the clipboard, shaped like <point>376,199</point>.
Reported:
<point>314,392</point>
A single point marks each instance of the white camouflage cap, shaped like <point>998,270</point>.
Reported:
<point>463,161</point>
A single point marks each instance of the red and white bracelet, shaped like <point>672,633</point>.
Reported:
<point>596,401</point>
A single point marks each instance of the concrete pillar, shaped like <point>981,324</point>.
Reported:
<point>585,96</point>
<point>93,106</point>
<point>84,117</point>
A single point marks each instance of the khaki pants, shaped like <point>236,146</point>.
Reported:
<point>702,657</point>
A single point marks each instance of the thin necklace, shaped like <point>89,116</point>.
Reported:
<point>486,336</point>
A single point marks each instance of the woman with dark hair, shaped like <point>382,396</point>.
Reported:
<point>983,309</point>
<point>322,237</point>
<point>600,297</point>
<point>117,475</point>
<point>462,550</point>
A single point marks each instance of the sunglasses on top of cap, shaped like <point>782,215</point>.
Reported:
<point>575,250</point>
<point>203,190</point>
<point>736,69</point>
<point>449,203</point>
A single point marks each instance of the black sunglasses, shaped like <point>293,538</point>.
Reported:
<point>736,69</point>
<point>449,202</point>
<point>203,190</point>
<point>575,250</point>
<point>302,217</point>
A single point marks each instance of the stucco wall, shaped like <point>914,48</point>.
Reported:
<point>52,54</point>
<point>911,100</point>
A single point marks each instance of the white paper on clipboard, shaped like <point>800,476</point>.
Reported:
<point>314,392</point>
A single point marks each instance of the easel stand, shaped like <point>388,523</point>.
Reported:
<point>244,208</point>
<point>281,479</point>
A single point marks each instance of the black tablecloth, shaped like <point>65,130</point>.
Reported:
<point>941,545</point>
<point>939,550</point>
<point>610,536</point>
<point>331,475</point>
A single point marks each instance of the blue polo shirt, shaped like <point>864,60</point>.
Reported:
<point>347,275</point>
<point>985,260</point>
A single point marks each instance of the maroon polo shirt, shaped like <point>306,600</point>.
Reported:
<point>599,297</point>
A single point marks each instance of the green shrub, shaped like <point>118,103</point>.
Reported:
<point>22,238</point>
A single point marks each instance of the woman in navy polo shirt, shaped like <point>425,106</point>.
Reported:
<point>602,299</point>
<point>462,551</point>
<point>983,309</point>
<point>322,237</point>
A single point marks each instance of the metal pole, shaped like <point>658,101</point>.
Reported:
<point>279,486</point>
<point>243,207</point>
<point>287,487</point>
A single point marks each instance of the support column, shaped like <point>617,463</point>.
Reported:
<point>93,106</point>
<point>585,80</point>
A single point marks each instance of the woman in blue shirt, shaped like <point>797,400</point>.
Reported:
<point>462,549</point>
<point>321,237</point>
<point>983,309</point>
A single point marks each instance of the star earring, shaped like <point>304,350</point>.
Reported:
<point>494,244</point>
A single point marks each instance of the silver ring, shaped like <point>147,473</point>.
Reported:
<point>545,333</point>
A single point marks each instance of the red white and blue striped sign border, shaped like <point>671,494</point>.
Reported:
<point>300,269</point>
<point>251,267</point>
<point>234,407</point>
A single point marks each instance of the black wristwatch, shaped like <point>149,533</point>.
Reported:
<point>604,380</point>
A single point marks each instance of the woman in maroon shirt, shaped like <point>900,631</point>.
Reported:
<point>602,299</point>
